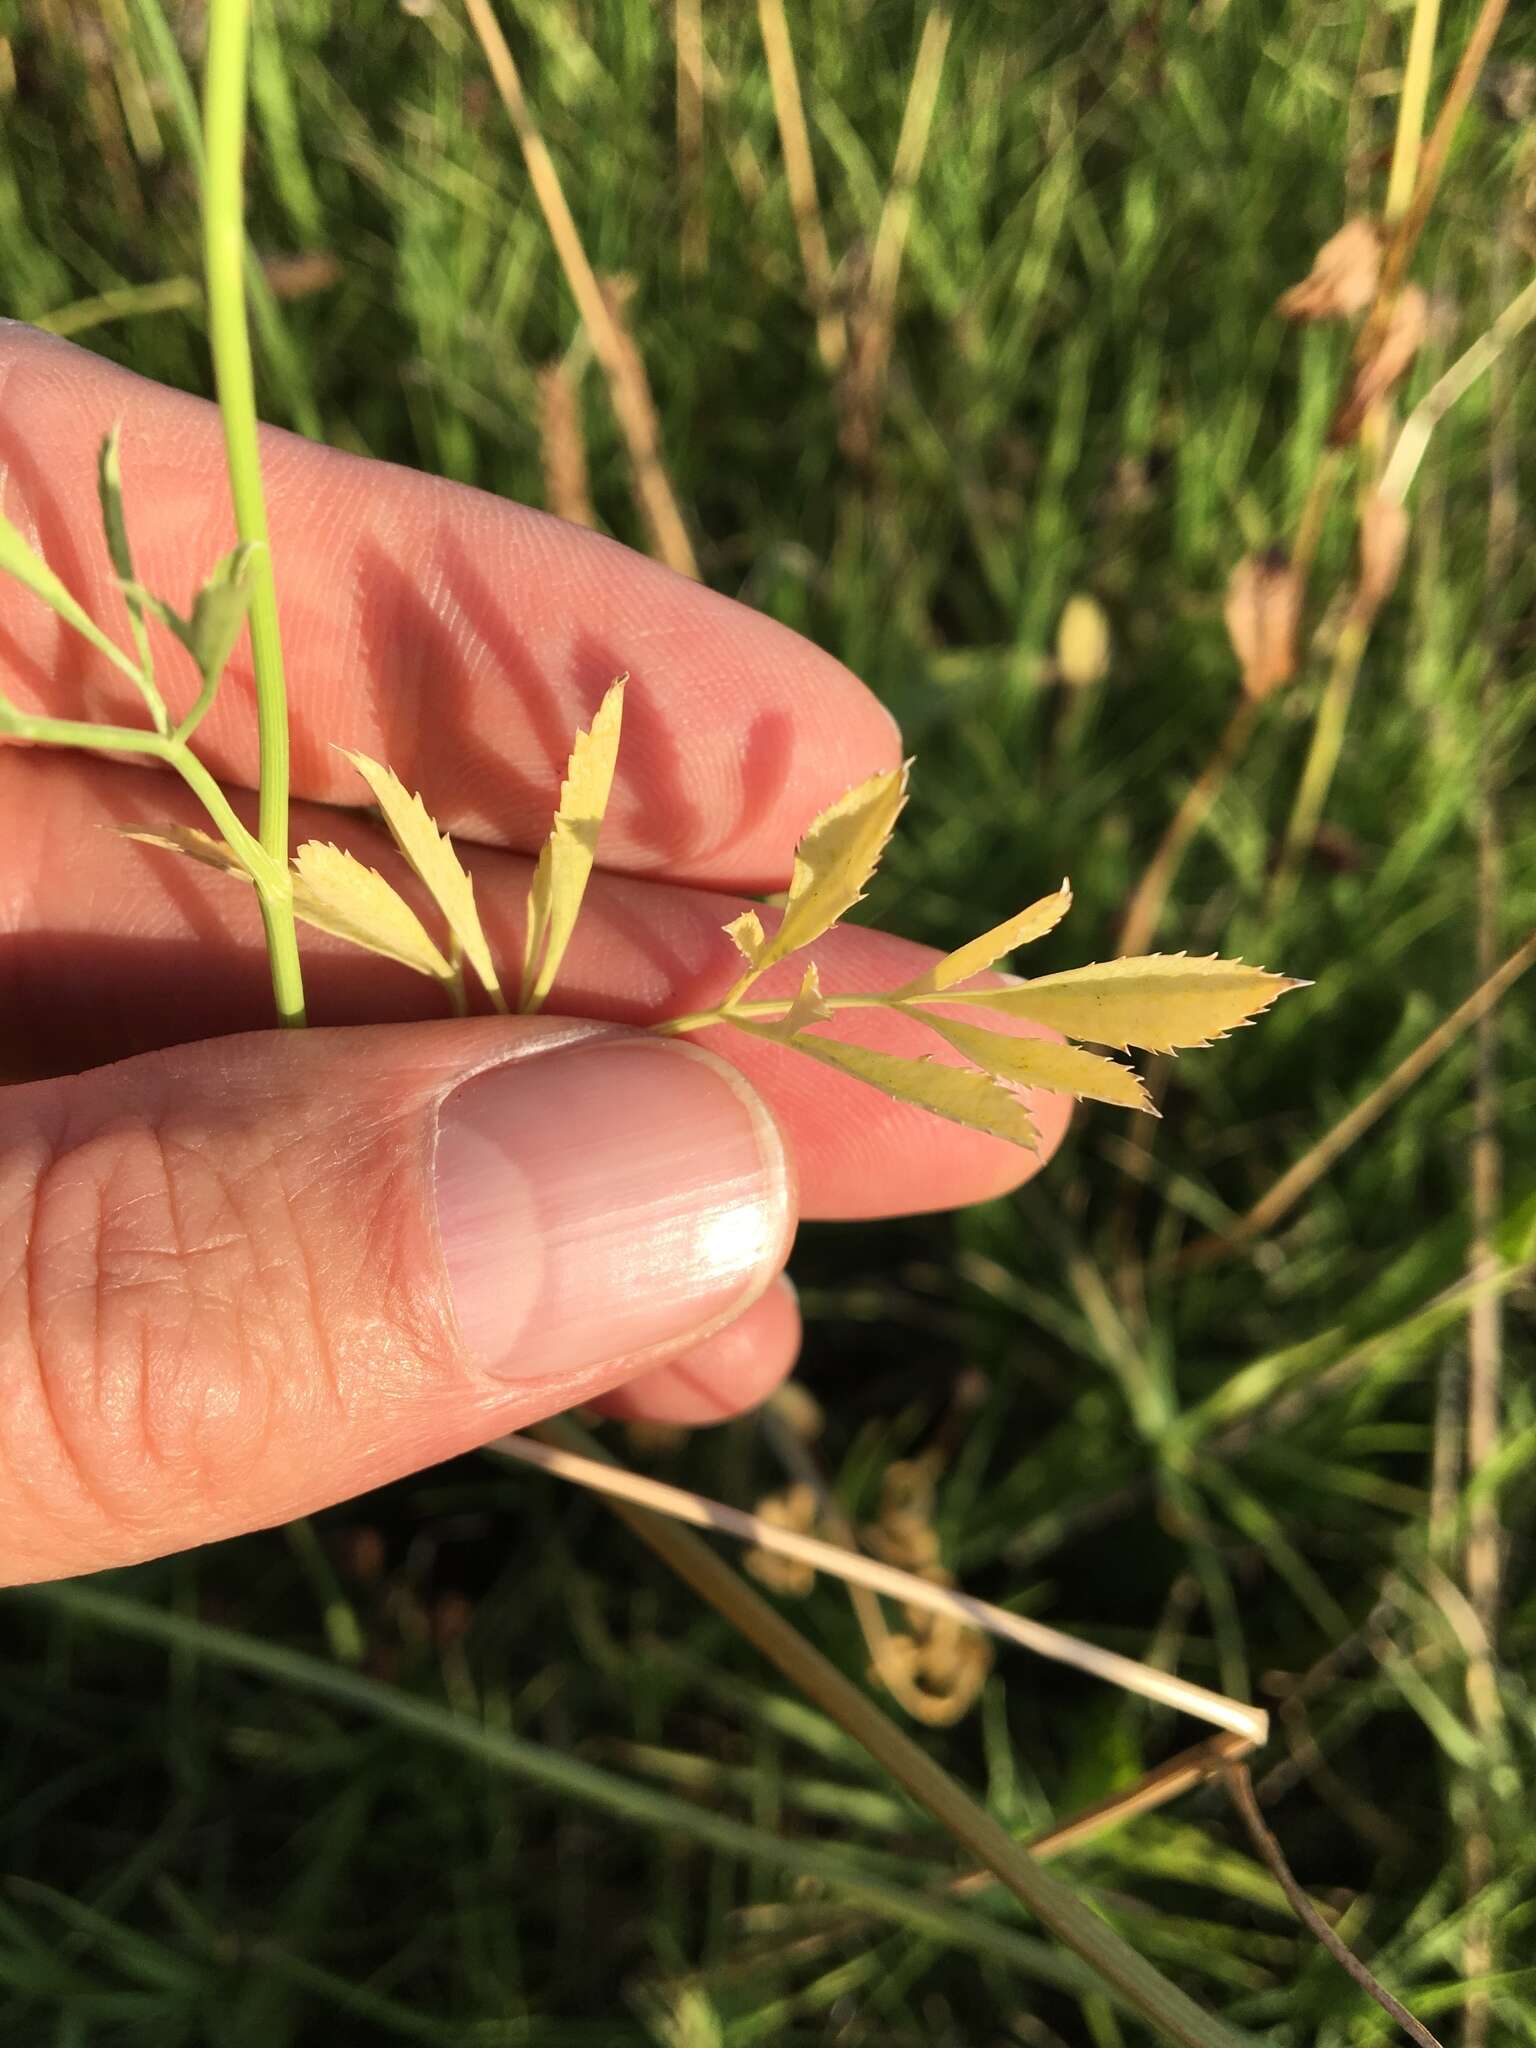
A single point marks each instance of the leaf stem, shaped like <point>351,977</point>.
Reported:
<point>731,1012</point>
<point>224,98</point>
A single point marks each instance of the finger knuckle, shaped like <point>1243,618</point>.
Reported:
<point>145,1333</point>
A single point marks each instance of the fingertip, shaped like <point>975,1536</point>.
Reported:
<point>728,1374</point>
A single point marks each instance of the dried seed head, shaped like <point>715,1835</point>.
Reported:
<point>794,1509</point>
<point>1263,612</point>
<point>1399,344</point>
<point>1383,537</point>
<point>1343,277</point>
<point>1082,642</point>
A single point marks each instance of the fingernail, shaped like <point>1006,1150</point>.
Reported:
<point>605,1200</point>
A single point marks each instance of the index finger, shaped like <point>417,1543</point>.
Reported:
<point>458,637</point>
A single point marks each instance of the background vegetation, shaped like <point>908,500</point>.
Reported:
<point>458,1762</point>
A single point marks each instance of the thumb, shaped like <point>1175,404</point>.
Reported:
<point>242,1279</point>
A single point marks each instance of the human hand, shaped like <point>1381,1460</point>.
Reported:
<point>245,1273</point>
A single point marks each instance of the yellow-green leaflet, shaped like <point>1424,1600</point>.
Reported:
<point>835,860</point>
<point>566,860</point>
<point>978,954</point>
<point>435,864</point>
<point>807,1008</point>
<point>746,935</point>
<point>1159,1002</point>
<point>1040,1063</point>
<point>338,894</point>
<point>959,1093</point>
<point>201,846</point>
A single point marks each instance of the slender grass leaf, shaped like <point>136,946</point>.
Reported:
<point>1159,1002</point>
<point>961,1094</point>
<point>1040,1063</point>
<point>858,1874</point>
<point>978,954</point>
<point>435,864</point>
<point>567,858</point>
<point>336,893</point>
<point>835,860</point>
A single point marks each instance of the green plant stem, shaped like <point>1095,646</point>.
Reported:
<point>224,97</point>
<point>1323,754</point>
<point>1411,108</point>
<point>774,1006</point>
<point>283,359</point>
<point>1124,1973</point>
<point>270,877</point>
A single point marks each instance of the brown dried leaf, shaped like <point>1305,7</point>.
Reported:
<point>198,846</point>
<point>1383,539</point>
<point>1398,346</point>
<point>1343,278</point>
<point>1263,614</point>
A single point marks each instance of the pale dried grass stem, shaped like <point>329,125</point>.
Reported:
<point>563,447</point>
<point>1310,1168</point>
<point>688,36</point>
<point>800,174</point>
<point>1166,1689</point>
<point>619,360</point>
<point>874,326</point>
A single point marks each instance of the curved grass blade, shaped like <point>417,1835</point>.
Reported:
<point>567,858</point>
<point>856,1874</point>
<point>435,865</point>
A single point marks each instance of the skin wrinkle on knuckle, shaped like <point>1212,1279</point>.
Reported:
<point>158,1324</point>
